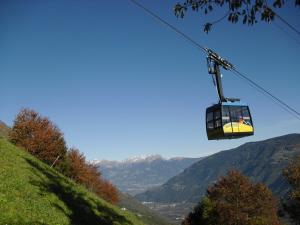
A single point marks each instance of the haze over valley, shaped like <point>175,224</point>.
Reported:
<point>138,174</point>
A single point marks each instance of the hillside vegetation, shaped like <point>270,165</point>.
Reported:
<point>42,138</point>
<point>33,193</point>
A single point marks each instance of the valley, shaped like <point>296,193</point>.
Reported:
<point>138,174</point>
<point>262,161</point>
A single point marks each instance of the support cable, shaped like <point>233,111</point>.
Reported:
<point>286,32</point>
<point>269,95</point>
<point>288,24</point>
<point>186,37</point>
<point>207,51</point>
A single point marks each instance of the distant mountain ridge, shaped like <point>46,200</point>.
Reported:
<point>4,129</point>
<point>138,174</point>
<point>134,159</point>
<point>262,161</point>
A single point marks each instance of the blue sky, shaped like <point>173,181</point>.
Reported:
<point>120,84</point>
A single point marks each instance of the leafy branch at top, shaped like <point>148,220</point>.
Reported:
<point>246,10</point>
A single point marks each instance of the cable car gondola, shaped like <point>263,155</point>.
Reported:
<point>229,118</point>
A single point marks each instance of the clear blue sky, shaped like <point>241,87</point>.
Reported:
<point>119,84</point>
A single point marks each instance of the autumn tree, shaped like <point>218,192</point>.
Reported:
<point>86,174</point>
<point>249,12</point>
<point>77,168</point>
<point>292,205</point>
<point>107,191</point>
<point>234,200</point>
<point>39,136</point>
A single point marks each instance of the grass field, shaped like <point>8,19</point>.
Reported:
<point>33,193</point>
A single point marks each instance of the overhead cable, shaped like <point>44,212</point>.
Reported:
<point>288,24</point>
<point>286,32</point>
<point>186,37</point>
<point>268,94</point>
<point>265,92</point>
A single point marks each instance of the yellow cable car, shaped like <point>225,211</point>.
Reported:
<point>229,118</point>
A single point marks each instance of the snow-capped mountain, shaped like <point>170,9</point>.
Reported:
<point>134,159</point>
<point>139,173</point>
<point>143,158</point>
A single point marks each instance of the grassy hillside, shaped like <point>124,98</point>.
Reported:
<point>32,193</point>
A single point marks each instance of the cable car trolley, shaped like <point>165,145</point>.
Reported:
<point>229,118</point>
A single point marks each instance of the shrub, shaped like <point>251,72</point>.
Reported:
<point>88,175</point>
<point>38,135</point>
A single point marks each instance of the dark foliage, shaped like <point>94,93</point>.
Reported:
<point>292,204</point>
<point>235,200</point>
<point>235,10</point>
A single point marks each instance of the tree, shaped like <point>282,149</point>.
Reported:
<point>77,168</point>
<point>203,214</point>
<point>234,200</point>
<point>248,10</point>
<point>292,206</point>
<point>108,191</point>
<point>39,136</point>
<point>86,174</point>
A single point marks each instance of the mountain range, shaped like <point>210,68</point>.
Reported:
<point>262,161</point>
<point>138,174</point>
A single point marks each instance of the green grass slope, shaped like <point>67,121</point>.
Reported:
<point>33,193</point>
